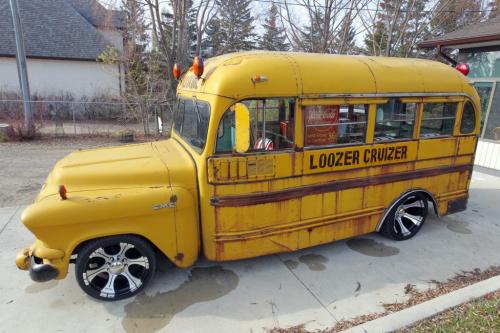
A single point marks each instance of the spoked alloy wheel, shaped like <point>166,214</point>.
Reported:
<point>115,268</point>
<point>406,217</point>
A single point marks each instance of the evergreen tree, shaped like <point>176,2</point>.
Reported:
<point>274,38</point>
<point>191,32</point>
<point>312,38</point>
<point>398,27</point>
<point>345,42</point>
<point>232,29</point>
<point>212,44</point>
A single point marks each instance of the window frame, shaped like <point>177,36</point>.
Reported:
<point>474,112</point>
<point>340,103</point>
<point>416,120</point>
<point>178,133</point>
<point>438,101</point>
<point>260,151</point>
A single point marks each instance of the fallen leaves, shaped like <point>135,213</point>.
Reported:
<point>461,280</point>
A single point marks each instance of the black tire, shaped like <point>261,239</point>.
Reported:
<point>120,266</point>
<point>406,217</point>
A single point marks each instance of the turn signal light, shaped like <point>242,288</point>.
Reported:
<point>63,192</point>
<point>177,71</point>
<point>198,66</point>
<point>463,68</point>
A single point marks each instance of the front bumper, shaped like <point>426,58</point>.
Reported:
<point>37,259</point>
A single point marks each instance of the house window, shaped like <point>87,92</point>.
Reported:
<point>438,119</point>
<point>327,125</point>
<point>492,124</point>
<point>395,120</point>
<point>482,64</point>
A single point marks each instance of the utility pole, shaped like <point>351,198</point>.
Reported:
<point>22,72</point>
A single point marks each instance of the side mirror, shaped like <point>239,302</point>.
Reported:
<point>242,120</point>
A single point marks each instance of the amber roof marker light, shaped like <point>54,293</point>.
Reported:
<point>177,71</point>
<point>63,192</point>
<point>463,68</point>
<point>198,66</point>
<point>259,79</point>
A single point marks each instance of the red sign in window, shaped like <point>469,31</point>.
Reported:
<point>321,124</point>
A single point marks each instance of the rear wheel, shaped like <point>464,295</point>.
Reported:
<point>115,268</point>
<point>406,218</point>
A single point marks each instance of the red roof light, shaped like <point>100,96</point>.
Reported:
<point>463,68</point>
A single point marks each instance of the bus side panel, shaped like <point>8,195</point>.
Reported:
<point>338,215</point>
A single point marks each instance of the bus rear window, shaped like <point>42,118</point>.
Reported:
<point>438,119</point>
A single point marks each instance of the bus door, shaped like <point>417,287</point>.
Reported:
<point>255,163</point>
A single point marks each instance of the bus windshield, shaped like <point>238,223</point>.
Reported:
<point>191,119</point>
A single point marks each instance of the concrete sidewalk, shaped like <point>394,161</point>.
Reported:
<point>316,286</point>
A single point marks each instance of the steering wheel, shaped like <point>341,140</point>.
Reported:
<point>266,144</point>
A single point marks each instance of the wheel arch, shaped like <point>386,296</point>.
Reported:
<point>430,197</point>
<point>80,245</point>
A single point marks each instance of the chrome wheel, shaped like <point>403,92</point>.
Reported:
<point>406,218</point>
<point>115,268</point>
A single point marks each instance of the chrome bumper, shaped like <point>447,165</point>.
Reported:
<point>38,271</point>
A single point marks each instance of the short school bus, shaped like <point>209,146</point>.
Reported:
<point>269,152</point>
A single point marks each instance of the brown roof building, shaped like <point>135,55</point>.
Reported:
<point>477,35</point>
<point>478,46</point>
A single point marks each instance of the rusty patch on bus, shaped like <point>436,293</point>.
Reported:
<point>298,192</point>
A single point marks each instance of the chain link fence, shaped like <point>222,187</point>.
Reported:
<point>104,117</point>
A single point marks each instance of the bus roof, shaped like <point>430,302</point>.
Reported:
<point>315,75</point>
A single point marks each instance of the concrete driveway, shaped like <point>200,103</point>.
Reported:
<point>317,286</point>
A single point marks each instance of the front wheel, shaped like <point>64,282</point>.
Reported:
<point>115,268</point>
<point>406,218</point>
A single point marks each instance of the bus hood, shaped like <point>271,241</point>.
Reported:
<point>131,166</point>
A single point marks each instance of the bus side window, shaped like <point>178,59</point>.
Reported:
<point>395,120</point>
<point>438,119</point>
<point>468,123</point>
<point>272,123</point>
<point>226,133</point>
<point>327,125</point>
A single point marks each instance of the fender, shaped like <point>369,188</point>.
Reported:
<point>429,194</point>
<point>65,224</point>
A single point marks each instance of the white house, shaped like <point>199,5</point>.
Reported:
<point>63,40</point>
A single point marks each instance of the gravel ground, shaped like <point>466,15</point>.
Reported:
<point>25,165</point>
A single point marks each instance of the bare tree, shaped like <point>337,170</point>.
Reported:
<point>205,12</point>
<point>395,27</point>
<point>328,24</point>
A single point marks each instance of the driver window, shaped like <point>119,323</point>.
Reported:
<point>272,124</point>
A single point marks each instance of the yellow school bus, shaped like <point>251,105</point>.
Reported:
<point>269,152</point>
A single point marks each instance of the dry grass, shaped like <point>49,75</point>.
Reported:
<point>465,278</point>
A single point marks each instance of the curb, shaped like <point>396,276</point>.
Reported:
<point>411,315</point>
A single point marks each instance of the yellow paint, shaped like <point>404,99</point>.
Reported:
<point>118,190</point>
<point>242,123</point>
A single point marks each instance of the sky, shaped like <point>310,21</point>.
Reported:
<point>260,10</point>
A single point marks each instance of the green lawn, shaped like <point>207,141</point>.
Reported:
<point>481,315</point>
